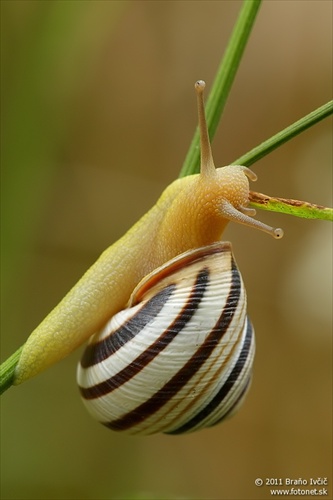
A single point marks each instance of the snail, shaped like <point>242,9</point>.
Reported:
<point>182,231</point>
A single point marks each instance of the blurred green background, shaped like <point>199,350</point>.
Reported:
<point>98,110</point>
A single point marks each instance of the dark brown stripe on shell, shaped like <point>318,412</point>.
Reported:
<point>249,339</point>
<point>180,379</point>
<point>159,345</point>
<point>224,390</point>
<point>99,351</point>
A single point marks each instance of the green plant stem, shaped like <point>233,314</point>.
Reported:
<point>285,135</point>
<point>7,369</point>
<point>223,81</point>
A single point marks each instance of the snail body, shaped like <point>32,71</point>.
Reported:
<point>179,358</point>
<point>192,212</point>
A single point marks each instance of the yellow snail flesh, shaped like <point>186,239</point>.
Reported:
<point>179,358</point>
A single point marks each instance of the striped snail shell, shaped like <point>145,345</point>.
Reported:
<point>180,357</point>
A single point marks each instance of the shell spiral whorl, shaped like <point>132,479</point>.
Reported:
<point>180,357</point>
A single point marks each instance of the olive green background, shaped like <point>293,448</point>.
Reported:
<point>98,110</point>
